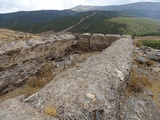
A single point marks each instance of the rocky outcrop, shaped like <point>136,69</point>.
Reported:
<point>144,103</point>
<point>18,51</point>
<point>83,42</point>
<point>96,41</point>
<point>92,87</point>
<point>86,91</point>
<point>22,59</point>
<point>93,90</point>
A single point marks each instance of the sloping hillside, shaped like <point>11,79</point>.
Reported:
<point>103,22</point>
<point>137,25</point>
<point>100,22</point>
<point>25,19</point>
<point>95,23</point>
<point>59,24</point>
<point>143,9</point>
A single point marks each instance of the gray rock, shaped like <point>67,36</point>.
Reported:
<point>142,71</point>
<point>158,54</point>
<point>147,49</point>
<point>119,74</point>
<point>49,39</point>
<point>31,98</point>
<point>150,93</point>
<point>12,109</point>
<point>141,103</point>
<point>141,59</point>
<point>135,106</point>
<point>154,57</point>
<point>67,63</point>
<point>83,41</point>
<point>66,37</point>
<point>29,43</point>
<point>111,96</point>
<point>55,37</point>
<point>136,50</point>
<point>156,69</point>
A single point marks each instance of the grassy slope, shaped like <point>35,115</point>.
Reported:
<point>22,20</point>
<point>152,43</point>
<point>56,24</point>
<point>137,25</point>
<point>102,22</point>
<point>97,24</point>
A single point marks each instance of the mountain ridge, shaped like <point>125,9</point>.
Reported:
<point>140,9</point>
<point>112,7</point>
<point>32,17</point>
<point>58,20</point>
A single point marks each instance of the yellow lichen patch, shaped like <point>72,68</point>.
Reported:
<point>50,110</point>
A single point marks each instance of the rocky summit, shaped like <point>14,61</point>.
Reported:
<point>84,77</point>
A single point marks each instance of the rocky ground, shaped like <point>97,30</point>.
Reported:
<point>92,77</point>
<point>142,101</point>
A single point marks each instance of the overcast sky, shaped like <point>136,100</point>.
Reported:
<point>27,5</point>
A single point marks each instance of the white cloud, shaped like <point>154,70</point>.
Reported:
<point>24,5</point>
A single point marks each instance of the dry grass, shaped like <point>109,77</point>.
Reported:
<point>150,62</point>
<point>155,89</point>
<point>50,110</point>
<point>34,84</point>
<point>137,83</point>
<point>137,43</point>
<point>148,38</point>
<point>10,35</point>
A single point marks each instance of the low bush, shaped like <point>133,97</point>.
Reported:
<point>152,43</point>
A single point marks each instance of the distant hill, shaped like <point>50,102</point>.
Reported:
<point>136,18</point>
<point>59,23</point>
<point>141,9</point>
<point>27,18</point>
<point>137,25</point>
<point>102,22</point>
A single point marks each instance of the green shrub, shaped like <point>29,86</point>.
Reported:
<point>151,43</point>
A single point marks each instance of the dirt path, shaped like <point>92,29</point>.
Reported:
<point>69,28</point>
